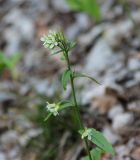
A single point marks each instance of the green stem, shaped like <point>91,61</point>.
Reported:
<point>76,108</point>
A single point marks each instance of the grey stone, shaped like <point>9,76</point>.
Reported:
<point>115,33</point>
<point>60,5</point>
<point>5,96</point>
<point>10,137</point>
<point>134,64</point>
<point>122,120</point>
<point>2,156</point>
<point>101,57</point>
<point>112,137</point>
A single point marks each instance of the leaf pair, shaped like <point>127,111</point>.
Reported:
<point>97,138</point>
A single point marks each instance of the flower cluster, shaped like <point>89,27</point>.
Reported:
<point>87,133</point>
<point>53,108</point>
<point>50,41</point>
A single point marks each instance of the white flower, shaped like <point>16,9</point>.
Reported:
<point>87,133</point>
<point>53,108</point>
<point>49,41</point>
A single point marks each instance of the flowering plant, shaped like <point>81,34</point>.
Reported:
<point>56,42</point>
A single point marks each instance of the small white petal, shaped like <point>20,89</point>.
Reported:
<point>51,46</point>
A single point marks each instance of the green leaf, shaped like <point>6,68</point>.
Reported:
<point>48,116</point>
<point>14,60</point>
<point>89,6</point>
<point>66,78</point>
<point>56,52</point>
<point>71,45</point>
<point>96,154</point>
<point>92,8</point>
<point>74,4</point>
<point>65,104</point>
<point>9,62</point>
<point>85,75</point>
<point>97,138</point>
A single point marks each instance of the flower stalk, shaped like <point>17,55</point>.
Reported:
<point>76,108</point>
<point>57,43</point>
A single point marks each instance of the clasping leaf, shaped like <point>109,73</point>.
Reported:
<point>97,138</point>
<point>77,74</point>
<point>66,78</point>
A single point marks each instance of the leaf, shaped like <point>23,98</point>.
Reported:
<point>77,74</point>
<point>96,154</point>
<point>9,62</point>
<point>71,45</point>
<point>92,8</point>
<point>65,104</point>
<point>14,60</point>
<point>89,6</point>
<point>98,139</point>
<point>56,52</point>
<point>48,116</point>
<point>74,4</point>
<point>66,78</point>
<point>101,142</point>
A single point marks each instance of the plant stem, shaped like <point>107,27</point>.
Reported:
<point>76,108</point>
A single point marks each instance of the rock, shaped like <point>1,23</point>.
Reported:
<point>136,16</point>
<point>32,133</point>
<point>2,156</point>
<point>134,106</point>
<point>122,120</point>
<point>7,97</point>
<point>43,87</point>
<point>24,89</point>
<point>115,110</point>
<point>13,43</point>
<point>81,23</point>
<point>136,153</point>
<point>7,86</point>
<point>122,151</point>
<point>14,153</point>
<point>103,103</point>
<point>112,137</point>
<point>23,24</point>
<point>91,92</point>
<point>87,38</point>
<point>101,57</point>
<point>135,42</point>
<point>134,64</point>
<point>137,76</point>
<point>107,88</point>
<point>60,5</point>
<point>21,29</point>
<point>9,138</point>
<point>115,33</point>
<point>22,123</point>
